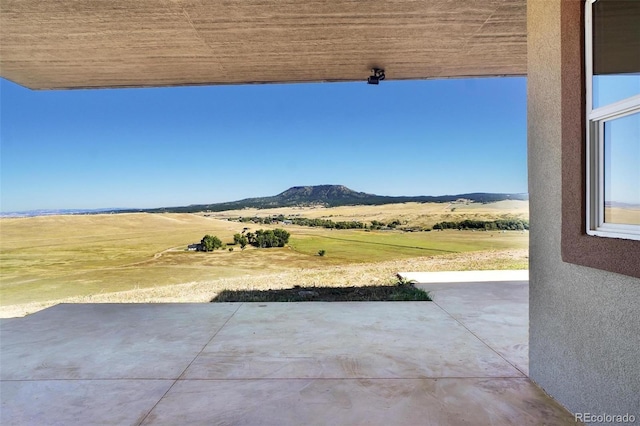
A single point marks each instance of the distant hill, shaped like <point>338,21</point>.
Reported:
<point>330,196</point>
<point>56,212</point>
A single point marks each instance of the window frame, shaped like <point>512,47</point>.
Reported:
<point>596,119</point>
<point>614,255</point>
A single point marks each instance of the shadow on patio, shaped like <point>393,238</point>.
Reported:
<point>461,359</point>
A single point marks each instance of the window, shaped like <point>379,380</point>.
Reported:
<point>613,118</point>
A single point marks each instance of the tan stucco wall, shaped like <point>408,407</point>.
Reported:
<point>584,322</point>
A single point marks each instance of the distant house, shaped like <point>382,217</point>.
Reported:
<point>194,247</point>
<point>287,222</point>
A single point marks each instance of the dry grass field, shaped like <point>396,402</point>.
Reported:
<point>143,257</point>
<point>622,215</point>
<point>417,214</point>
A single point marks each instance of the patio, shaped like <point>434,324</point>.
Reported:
<point>462,359</point>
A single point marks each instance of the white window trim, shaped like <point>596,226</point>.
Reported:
<point>595,120</point>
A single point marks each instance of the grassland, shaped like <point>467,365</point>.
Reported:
<point>416,214</point>
<point>115,257</point>
<point>628,215</point>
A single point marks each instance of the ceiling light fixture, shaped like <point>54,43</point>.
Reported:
<point>376,77</point>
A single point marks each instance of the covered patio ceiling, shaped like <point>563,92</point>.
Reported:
<point>122,43</point>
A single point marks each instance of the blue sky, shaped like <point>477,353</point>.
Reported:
<point>191,145</point>
<point>622,139</point>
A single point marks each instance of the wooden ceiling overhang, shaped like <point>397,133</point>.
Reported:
<point>67,44</point>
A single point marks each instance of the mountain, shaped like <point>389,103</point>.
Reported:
<point>330,196</point>
<point>57,212</point>
<point>321,194</point>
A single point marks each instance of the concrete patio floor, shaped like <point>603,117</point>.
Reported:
<point>459,360</point>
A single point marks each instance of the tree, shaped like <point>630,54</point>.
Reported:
<point>240,239</point>
<point>375,224</point>
<point>265,239</point>
<point>210,243</point>
<point>282,236</point>
<point>251,237</point>
<point>322,252</point>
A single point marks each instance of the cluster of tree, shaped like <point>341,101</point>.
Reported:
<point>240,239</point>
<point>268,238</point>
<point>327,223</point>
<point>303,221</point>
<point>376,224</point>
<point>265,220</point>
<point>210,243</point>
<point>488,225</point>
<point>320,223</point>
<point>261,239</point>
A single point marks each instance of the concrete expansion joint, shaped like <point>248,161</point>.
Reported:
<point>187,367</point>
<point>480,339</point>
<point>345,379</point>
<point>92,379</point>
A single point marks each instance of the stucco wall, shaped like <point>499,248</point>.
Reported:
<point>584,322</point>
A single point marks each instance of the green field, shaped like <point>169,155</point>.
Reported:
<point>50,258</point>
<point>349,246</point>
